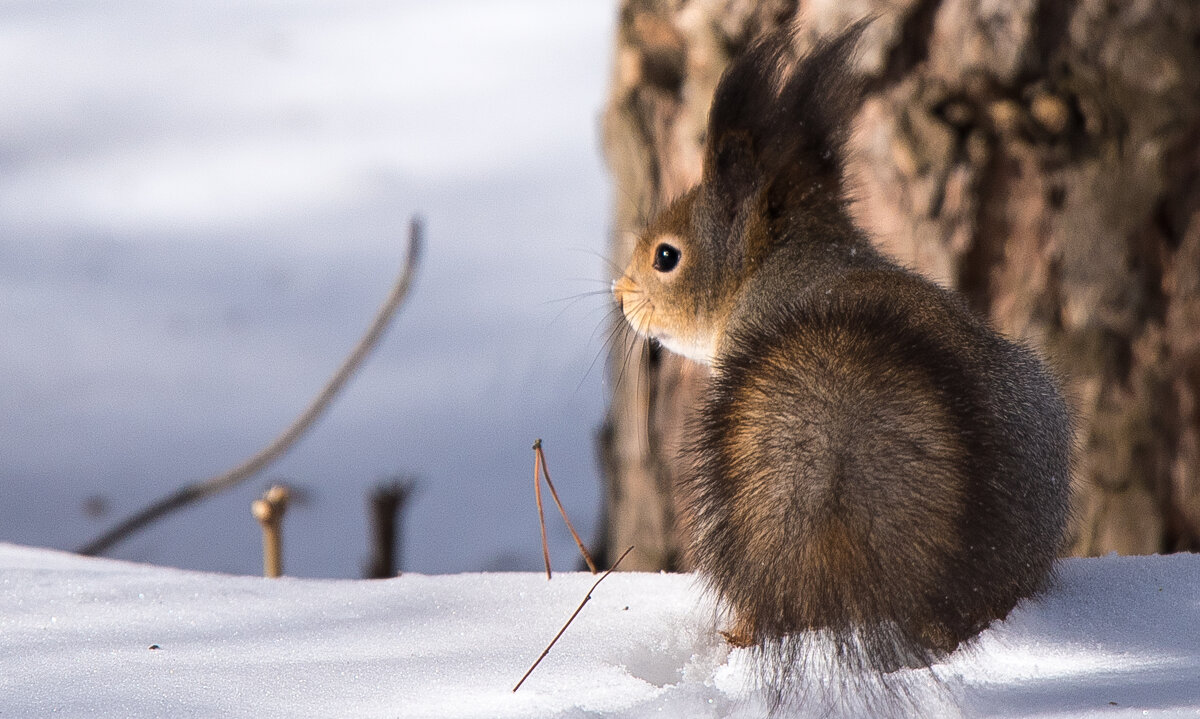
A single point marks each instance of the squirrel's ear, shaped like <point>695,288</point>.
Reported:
<point>737,123</point>
<point>779,122</point>
<point>804,156</point>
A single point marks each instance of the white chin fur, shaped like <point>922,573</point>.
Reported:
<point>695,352</point>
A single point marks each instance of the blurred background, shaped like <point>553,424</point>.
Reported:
<point>203,204</point>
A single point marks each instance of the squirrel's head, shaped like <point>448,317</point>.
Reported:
<point>772,174</point>
<point>673,288</point>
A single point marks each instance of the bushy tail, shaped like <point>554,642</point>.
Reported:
<point>857,494</point>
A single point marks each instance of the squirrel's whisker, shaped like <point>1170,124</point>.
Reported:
<point>615,330</point>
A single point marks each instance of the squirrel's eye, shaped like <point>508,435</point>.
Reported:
<point>665,257</point>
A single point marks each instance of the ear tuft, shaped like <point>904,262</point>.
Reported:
<point>776,119</point>
<point>816,103</point>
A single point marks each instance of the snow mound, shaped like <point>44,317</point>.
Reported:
<point>1115,637</point>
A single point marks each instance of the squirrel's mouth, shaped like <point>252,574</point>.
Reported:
<point>640,317</point>
<point>637,309</point>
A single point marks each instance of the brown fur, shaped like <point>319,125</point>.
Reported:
<point>872,461</point>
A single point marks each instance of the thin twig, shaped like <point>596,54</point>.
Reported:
<point>537,493</point>
<point>571,619</point>
<point>537,448</point>
<point>255,464</point>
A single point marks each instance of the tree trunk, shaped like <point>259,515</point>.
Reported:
<point>1043,157</point>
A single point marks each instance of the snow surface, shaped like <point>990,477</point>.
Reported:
<point>1116,637</point>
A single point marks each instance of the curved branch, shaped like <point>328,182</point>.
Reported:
<point>273,451</point>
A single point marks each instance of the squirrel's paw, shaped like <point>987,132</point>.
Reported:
<point>741,634</point>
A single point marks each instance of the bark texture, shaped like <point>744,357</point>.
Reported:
<point>1042,156</point>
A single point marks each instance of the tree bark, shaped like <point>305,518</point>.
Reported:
<point>1042,156</point>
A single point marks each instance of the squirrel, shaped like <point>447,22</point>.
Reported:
<point>871,461</point>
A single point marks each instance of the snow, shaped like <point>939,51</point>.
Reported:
<point>1115,637</point>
